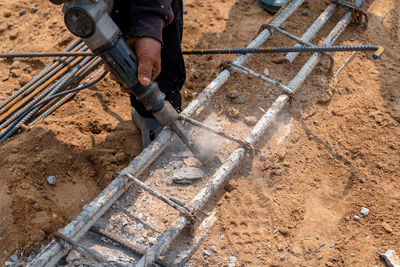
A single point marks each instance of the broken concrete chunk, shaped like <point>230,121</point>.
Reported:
<point>390,257</point>
<point>387,227</point>
<point>364,211</point>
<point>187,175</point>
<point>51,180</point>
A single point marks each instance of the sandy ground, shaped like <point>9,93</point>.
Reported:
<point>337,151</point>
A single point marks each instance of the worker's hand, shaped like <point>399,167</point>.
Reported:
<point>148,53</point>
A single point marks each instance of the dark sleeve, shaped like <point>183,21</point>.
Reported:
<point>149,17</point>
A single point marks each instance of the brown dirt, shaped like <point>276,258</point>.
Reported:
<point>341,153</point>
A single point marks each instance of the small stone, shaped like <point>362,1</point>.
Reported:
<point>331,245</point>
<point>250,120</point>
<point>356,218</point>
<point>73,255</point>
<point>16,65</point>
<point>239,100</point>
<point>364,211</point>
<point>232,95</point>
<point>186,175</point>
<point>34,9</point>
<point>16,73</point>
<point>394,47</point>
<point>14,257</point>
<point>232,259</point>
<point>329,264</point>
<point>305,13</point>
<point>13,35</point>
<point>5,252</point>
<point>206,253</point>
<point>7,14</point>
<point>390,257</point>
<point>24,79</point>
<point>36,206</point>
<point>347,218</point>
<point>266,72</point>
<point>213,249</point>
<point>22,12</point>
<point>387,227</point>
<point>353,255</point>
<point>38,236</point>
<point>222,237</point>
<point>229,187</point>
<point>37,148</point>
<point>51,180</point>
<point>233,113</point>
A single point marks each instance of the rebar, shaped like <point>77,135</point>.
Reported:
<point>289,56</point>
<point>285,49</point>
<point>313,30</point>
<point>124,243</point>
<point>47,54</point>
<point>49,67</point>
<point>41,84</point>
<point>220,176</point>
<point>89,253</point>
<point>52,253</point>
<point>66,97</point>
<point>245,70</point>
<point>28,113</point>
<point>181,209</point>
<point>217,132</point>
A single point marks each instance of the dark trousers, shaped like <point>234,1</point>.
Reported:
<point>173,73</point>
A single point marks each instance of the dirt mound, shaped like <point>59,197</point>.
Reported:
<point>338,153</point>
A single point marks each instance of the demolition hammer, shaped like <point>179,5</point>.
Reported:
<point>91,21</point>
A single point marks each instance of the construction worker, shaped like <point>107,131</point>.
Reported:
<point>153,29</point>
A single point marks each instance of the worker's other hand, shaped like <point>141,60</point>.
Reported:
<point>148,53</point>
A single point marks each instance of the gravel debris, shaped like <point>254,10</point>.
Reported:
<point>387,227</point>
<point>14,257</point>
<point>331,245</point>
<point>239,100</point>
<point>34,9</point>
<point>206,253</point>
<point>22,12</point>
<point>187,175</point>
<point>51,180</point>
<point>390,257</point>
<point>364,211</point>
<point>356,218</point>
<point>213,249</point>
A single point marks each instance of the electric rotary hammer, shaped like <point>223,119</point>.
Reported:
<point>91,21</point>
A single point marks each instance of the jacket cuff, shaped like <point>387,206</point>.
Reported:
<point>147,25</point>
